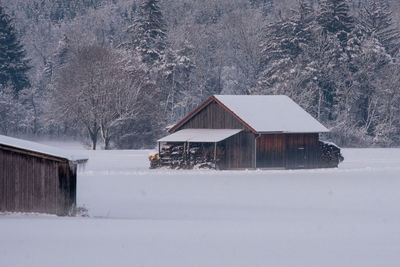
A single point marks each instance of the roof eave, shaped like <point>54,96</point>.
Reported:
<point>79,161</point>
<point>291,132</point>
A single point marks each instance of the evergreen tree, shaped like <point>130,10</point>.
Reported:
<point>267,6</point>
<point>13,63</point>
<point>12,113</point>
<point>283,42</point>
<point>149,33</point>
<point>376,22</point>
<point>335,18</point>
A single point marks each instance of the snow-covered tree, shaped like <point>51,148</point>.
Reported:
<point>100,92</point>
<point>376,22</point>
<point>387,115</point>
<point>14,66</point>
<point>13,114</point>
<point>335,18</point>
<point>149,33</point>
<point>176,78</point>
<point>267,6</point>
<point>283,42</point>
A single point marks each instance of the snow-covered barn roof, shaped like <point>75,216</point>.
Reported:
<point>43,149</point>
<point>265,113</point>
<point>200,135</point>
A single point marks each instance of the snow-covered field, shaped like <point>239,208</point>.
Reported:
<point>139,217</point>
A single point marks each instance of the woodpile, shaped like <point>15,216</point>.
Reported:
<point>184,156</point>
<point>330,155</point>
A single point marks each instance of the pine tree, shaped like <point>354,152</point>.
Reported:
<point>376,22</point>
<point>304,21</point>
<point>335,18</point>
<point>283,42</point>
<point>149,33</point>
<point>267,6</point>
<point>13,63</point>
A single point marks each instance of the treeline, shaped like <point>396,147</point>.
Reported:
<point>120,71</point>
<point>342,68</point>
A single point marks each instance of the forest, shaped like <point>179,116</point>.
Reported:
<point>117,72</point>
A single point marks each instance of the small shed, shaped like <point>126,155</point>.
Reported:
<point>37,178</point>
<point>243,132</point>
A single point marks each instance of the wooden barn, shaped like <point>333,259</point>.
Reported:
<point>247,132</point>
<point>37,178</point>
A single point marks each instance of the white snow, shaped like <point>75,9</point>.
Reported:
<point>348,216</point>
<point>200,135</point>
<point>272,113</point>
<point>44,149</point>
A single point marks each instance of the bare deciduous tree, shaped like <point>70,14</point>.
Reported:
<point>96,92</point>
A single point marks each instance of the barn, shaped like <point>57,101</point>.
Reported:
<point>37,178</point>
<point>247,132</point>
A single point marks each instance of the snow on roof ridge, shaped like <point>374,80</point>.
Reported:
<point>43,149</point>
<point>272,113</point>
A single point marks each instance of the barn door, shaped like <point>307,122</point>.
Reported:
<point>300,157</point>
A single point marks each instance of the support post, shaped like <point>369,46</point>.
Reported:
<point>188,153</point>
<point>255,151</point>
<point>215,155</point>
<point>184,155</point>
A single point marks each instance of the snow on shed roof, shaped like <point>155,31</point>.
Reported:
<point>200,135</point>
<point>271,113</point>
<point>43,149</point>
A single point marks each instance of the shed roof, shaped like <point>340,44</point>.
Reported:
<point>43,149</point>
<point>200,135</point>
<point>265,113</point>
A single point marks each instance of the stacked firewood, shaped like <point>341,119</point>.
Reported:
<point>330,155</point>
<point>172,155</point>
<point>183,156</point>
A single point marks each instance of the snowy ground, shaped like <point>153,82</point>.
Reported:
<point>339,217</point>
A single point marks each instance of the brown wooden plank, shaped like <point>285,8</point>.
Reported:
<point>271,150</point>
<point>213,116</point>
<point>302,151</point>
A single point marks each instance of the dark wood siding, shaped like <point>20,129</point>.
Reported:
<point>30,183</point>
<point>290,151</point>
<point>302,151</point>
<point>271,150</point>
<point>213,116</point>
<point>239,151</point>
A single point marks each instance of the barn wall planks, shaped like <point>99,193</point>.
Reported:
<point>30,183</point>
<point>239,151</point>
<point>271,151</point>
<point>213,116</point>
<point>302,151</point>
<point>290,151</point>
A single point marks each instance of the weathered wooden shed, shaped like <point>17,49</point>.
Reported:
<point>37,178</point>
<point>252,132</point>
